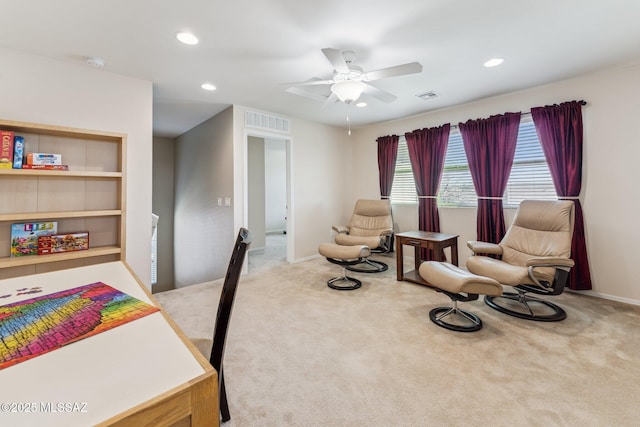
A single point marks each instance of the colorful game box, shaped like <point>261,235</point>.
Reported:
<point>18,152</point>
<point>47,167</point>
<point>24,236</point>
<point>57,243</point>
<point>6,149</point>
<point>44,159</point>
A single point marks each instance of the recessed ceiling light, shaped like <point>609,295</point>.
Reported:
<point>493,62</point>
<point>361,104</point>
<point>187,38</point>
<point>208,86</point>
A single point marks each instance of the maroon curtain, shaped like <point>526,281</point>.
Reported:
<point>427,148</point>
<point>559,128</point>
<point>490,145</point>
<point>387,153</point>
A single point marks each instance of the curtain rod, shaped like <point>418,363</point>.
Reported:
<point>528,113</point>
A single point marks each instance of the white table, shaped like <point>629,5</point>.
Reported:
<point>141,373</point>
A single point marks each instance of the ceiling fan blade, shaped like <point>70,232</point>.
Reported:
<point>310,82</point>
<point>336,59</point>
<point>311,95</point>
<point>332,99</point>
<point>379,94</point>
<point>398,70</point>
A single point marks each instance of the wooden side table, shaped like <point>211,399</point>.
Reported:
<point>423,239</point>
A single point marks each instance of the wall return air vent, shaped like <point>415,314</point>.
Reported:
<point>267,122</point>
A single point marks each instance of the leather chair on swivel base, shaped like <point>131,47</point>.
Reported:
<point>344,256</point>
<point>371,224</point>
<point>532,258</point>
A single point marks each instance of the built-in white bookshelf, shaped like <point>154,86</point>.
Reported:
<point>90,196</point>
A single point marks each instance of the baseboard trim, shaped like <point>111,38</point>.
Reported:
<point>605,296</point>
<point>307,258</point>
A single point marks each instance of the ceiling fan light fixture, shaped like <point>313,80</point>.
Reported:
<point>348,91</point>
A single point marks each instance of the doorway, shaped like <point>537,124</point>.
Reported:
<point>268,195</point>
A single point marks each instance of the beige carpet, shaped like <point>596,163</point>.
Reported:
<point>301,354</point>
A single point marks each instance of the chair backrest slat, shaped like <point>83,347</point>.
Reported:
<point>227,297</point>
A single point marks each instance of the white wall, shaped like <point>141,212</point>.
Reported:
<point>41,90</point>
<point>256,192</point>
<point>275,185</point>
<point>267,188</point>
<point>321,163</point>
<point>203,231</point>
<point>610,169</point>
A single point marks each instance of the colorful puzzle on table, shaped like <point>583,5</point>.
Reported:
<point>39,325</point>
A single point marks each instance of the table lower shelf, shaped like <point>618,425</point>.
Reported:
<point>414,277</point>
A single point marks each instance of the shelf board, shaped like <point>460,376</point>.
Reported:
<point>60,174</point>
<point>414,276</point>
<point>32,216</point>
<point>9,262</point>
<point>43,129</point>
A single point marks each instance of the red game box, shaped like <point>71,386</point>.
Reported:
<point>6,149</point>
<point>47,167</point>
<point>63,243</point>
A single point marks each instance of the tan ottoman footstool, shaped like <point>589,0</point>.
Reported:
<point>344,256</point>
<point>459,285</point>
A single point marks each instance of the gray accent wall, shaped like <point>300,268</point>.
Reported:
<point>203,230</point>
<point>162,205</point>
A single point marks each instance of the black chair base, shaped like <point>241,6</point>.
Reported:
<point>369,266</point>
<point>468,322</point>
<point>555,313</point>
<point>349,283</point>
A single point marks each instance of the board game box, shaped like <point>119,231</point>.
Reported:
<point>57,243</point>
<point>44,159</point>
<point>18,152</point>
<point>47,167</point>
<point>6,149</point>
<point>24,236</point>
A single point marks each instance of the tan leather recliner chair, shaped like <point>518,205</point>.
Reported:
<point>371,224</point>
<point>534,257</point>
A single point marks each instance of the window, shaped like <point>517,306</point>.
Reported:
<point>530,177</point>
<point>456,185</point>
<point>403,190</point>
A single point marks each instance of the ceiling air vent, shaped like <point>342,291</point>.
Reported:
<point>428,95</point>
<point>267,122</point>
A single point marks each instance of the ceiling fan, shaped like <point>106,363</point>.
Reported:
<point>349,81</point>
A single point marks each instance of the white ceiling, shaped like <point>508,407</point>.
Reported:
<point>250,48</point>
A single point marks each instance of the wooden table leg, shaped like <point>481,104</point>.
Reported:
<point>399,260</point>
<point>454,253</point>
